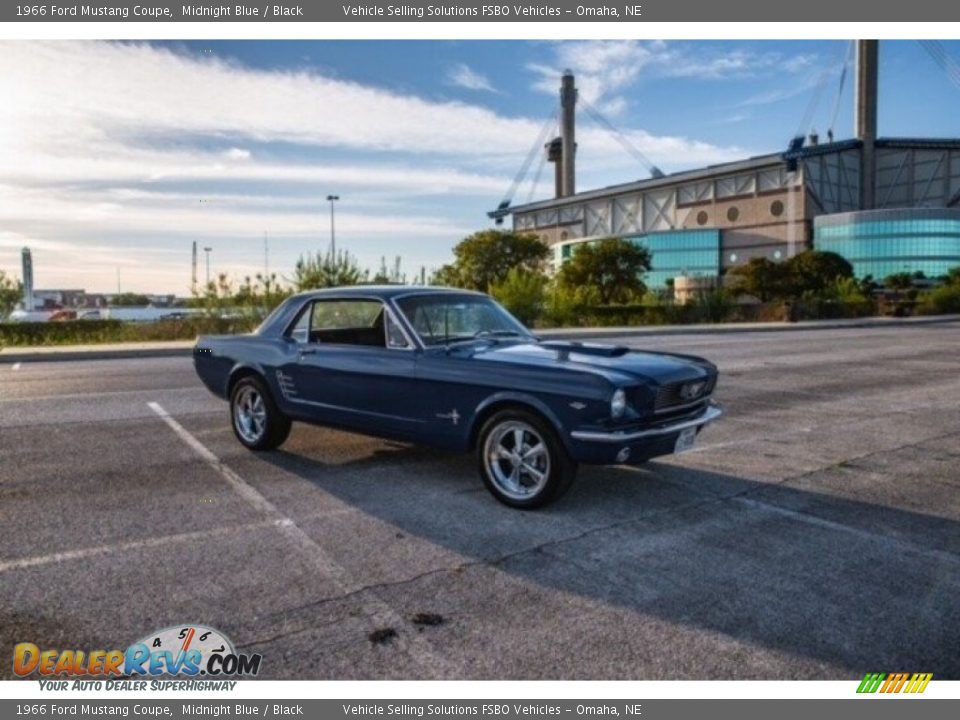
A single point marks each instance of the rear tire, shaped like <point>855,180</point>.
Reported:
<point>256,420</point>
<point>522,461</point>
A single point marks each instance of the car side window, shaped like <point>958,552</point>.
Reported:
<point>395,337</point>
<point>347,322</point>
<point>301,329</point>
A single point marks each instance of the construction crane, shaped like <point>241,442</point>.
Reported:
<point>503,209</point>
<point>622,139</point>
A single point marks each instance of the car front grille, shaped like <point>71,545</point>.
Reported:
<point>670,396</point>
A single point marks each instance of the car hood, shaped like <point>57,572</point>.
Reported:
<point>615,362</point>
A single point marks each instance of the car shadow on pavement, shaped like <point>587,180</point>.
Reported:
<point>844,582</point>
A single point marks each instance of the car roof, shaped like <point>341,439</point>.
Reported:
<point>383,292</point>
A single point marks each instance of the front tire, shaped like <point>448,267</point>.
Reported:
<point>257,421</point>
<point>522,461</point>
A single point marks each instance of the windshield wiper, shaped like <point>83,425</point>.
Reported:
<point>498,333</point>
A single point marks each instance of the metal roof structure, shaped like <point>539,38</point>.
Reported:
<point>736,166</point>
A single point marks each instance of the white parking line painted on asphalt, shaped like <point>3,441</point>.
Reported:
<point>157,541</point>
<point>16,366</point>
<point>379,612</point>
<point>894,544</point>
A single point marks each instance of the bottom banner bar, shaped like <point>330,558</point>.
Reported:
<point>872,707</point>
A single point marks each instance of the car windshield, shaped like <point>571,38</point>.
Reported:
<point>445,318</point>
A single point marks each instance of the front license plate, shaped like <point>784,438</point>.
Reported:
<point>685,440</point>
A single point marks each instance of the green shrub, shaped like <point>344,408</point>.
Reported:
<point>566,306</point>
<point>521,292</point>
<point>942,300</point>
<point>712,306</point>
<point>92,332</point>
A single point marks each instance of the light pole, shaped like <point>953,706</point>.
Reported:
<point>207,250</point>
<point>333,236</point>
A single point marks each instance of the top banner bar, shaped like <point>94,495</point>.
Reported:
<point>467,11</point>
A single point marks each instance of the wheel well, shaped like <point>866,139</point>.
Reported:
<point>239,375</point>
<point>496,407</point>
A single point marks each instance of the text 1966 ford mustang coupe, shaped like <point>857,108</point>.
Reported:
<point>453,369</point>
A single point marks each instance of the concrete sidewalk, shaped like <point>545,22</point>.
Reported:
<point>182,348</point>
<point>105,351</point>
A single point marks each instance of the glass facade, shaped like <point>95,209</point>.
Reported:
<point>673,253</point>
<point>884,242</point>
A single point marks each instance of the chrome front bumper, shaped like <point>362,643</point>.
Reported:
<point>709,415</point>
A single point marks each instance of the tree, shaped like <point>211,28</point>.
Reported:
<point>129,299</point>
<point>899,282</point>
<point>565,306</point>
<point>813,271</point>
<point>867,285</point>
<point>393,275</point>
<point>326,270</point>
<point>446,275</point>
<point>522,293</point>
<point>485,258</point>
<point>762,278</point>
<point>11,291</point>
<point>614,266</point>
<point>217,295</point>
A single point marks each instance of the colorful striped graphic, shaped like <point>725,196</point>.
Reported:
<point>894,682</point>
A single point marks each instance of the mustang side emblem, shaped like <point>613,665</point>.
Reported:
<point>453,415</point>
<point>691,391</point>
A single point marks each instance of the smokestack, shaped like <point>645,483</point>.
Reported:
<point>568,102</point>
<point>27,279</point>
<point>866,118</point>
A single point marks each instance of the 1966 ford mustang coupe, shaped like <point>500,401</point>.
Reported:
<point>453,369</point>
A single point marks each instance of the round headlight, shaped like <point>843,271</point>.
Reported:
<point>618,403</point>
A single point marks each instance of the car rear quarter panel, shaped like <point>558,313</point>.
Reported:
<point>219,359</point>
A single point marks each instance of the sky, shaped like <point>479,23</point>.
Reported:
<point>116,156</point>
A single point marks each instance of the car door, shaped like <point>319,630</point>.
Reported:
<point>354,367</point>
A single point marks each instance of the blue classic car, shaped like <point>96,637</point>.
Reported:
<point>453,369</point>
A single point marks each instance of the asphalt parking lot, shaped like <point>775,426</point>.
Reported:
<point>813,533</point>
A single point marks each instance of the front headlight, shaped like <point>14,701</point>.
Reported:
<point>618,403</point>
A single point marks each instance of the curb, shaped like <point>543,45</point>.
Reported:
<point>13,355</point>
<point>117,352</point>
<point>721,329</point>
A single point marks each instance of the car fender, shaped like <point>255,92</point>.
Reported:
<point>518,398</point>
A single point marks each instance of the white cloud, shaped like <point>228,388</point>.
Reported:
<point>99,140</point>
<point>606,69</point>
<point>464,76</point>
<point>238,154</point>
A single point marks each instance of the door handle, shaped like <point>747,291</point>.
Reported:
<point>308,351</point>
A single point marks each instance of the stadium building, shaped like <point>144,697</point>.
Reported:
<point>886,204</point>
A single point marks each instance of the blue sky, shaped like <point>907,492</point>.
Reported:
<point>114,157</point>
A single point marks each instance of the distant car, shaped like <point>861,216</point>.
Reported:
<point>63,315</point>
<point>453,369</point>
<point>90,315</point>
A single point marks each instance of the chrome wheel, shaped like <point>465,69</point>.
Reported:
<point>517,459</point>
<point>249,414</point>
